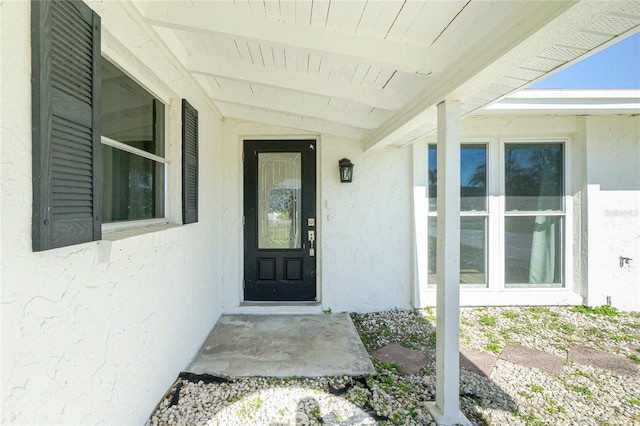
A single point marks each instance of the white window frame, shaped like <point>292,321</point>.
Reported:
<point>141,223</point>
<point>487,214</point>
<point>495,214</point>
<point>567,243</point>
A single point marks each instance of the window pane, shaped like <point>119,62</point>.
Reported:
<point>133,186</point>
<point>433,249</point>
<point>534,177</point>
<point>279,200</point>
<point>473,249</point>
<point>473,177</point>
<point>433,178</point>
<point>533,249</point>
<point>129,113</point>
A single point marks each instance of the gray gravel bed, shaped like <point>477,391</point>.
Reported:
<point>514,395</point>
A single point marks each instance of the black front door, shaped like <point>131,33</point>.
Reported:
<point>280,220</point>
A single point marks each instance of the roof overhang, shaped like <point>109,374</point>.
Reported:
<point>569,102</point>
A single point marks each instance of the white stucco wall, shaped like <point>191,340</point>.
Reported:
<point>613,212</point>
<point>364,235</point>
<point>96,333</point>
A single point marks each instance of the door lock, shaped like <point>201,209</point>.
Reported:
<point>312,238</point>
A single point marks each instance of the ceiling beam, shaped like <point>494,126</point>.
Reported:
<point>290,120</point>
<point>242,71</point>
<point>221,18</point>
<point>288,106</point>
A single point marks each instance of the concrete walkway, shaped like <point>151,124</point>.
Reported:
<point>282,346</point>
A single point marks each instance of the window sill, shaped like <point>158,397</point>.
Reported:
<point>121,234</point>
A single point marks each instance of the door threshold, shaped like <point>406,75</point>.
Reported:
<point>262,308</point>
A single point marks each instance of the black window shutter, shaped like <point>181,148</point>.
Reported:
<point>189,163</point>
<point>65,38</point>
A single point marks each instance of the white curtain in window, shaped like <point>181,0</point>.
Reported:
<point>543,250</point>
<point>543,243</point>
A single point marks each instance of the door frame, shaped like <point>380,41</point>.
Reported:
<point>318,227</point>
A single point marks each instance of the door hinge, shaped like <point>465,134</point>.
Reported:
<point>242,220</point>
<point>243,284</point>
<point>242,155</point>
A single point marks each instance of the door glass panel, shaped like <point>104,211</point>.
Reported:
<point>279,200</point>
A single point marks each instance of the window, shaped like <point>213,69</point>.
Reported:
<point>473,212</point>
<point>534,214</point>
<point>133,149</point>
<point>528,215</point>
<point>71,197</point>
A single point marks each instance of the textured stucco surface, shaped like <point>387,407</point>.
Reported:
<point>95,333</point>
<point>613,210</point>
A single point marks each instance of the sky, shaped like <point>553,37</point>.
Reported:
<point>616,67</point>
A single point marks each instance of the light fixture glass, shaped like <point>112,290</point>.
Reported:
<point>346,170</point>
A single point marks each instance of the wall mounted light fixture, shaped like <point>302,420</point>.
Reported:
<point>346,170</point>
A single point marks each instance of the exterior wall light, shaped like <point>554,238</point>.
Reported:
<point>346,170</point>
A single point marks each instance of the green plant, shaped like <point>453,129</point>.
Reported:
<point>532,420</point>
<point>605,310</point>
<point>385,331</point>
<point>493,344</point>
<point>567,329</point>
<point>633,358</point>
<point>382,367</point>
<point>581,309</point>
<point>358,396</point>
<point>558,409</point>
<point>250,408</point>
<point>315,414</point>
<point>327,311</point>
<point>583,390</point>
<point>465,339</point>
<point>635,401</point>
<point>539,310</point>
<point>510,314</point>
<point>488,320</point>
<point>366,339</point>
<point>623,338</point>
<point>419,318</point>
<point>536,388</point>
<point>430,314</point>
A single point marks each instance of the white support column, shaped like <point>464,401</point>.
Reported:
<point>446,409</point>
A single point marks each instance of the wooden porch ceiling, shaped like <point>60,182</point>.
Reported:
<point>375,70</point>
